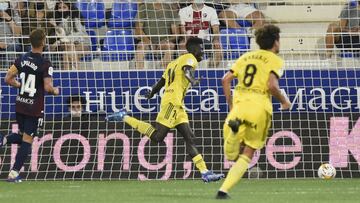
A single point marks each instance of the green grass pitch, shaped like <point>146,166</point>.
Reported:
<point>184,191</point>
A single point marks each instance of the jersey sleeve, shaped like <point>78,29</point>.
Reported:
<point>182,16</point>
<point>189,61</point>
<point>17,63</point>
<point>48,70</point>
<point>164,73</point>
<point>276,67</point>
<point>235,68</point>
<point>214,18</point>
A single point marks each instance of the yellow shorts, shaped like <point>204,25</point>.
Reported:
<point>253,131</point>
<point>171,116</point>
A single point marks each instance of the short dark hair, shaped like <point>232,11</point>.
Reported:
<point>73,11</point>
<point>76,98</point>
<point>37,37</point>
<point>266,36</point>
<point>192,43</point>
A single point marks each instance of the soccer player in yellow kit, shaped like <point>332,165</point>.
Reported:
<point>177,78</point>
<point>246,126</point>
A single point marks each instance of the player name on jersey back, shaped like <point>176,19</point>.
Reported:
<point>29,64</point>
<point>24,100</point>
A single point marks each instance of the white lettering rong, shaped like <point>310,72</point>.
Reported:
<point>322,97</point>
<point>138,98</point>
<point>210,103</point>
<point>333,102</point>
<point>100,101</point>
<point>37,142</point>
<point>102,142</point>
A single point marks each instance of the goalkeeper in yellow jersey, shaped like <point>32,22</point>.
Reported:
<point>246,126</point>
<point>177,78</point>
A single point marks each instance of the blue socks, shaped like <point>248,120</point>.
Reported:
<point>22,155</point>
<point>14,138</point>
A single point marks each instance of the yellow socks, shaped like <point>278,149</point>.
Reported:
<point>141,126</point>
<point>236,173</point>
<point>200,163</point>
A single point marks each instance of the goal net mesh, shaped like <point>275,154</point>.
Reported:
<point>106,54</point>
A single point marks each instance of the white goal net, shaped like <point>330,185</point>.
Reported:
<point>106,54</point>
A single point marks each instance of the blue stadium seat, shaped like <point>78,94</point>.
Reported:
<point>244,23</point>
<point>234,42</point>
<point>93,39</point>
<point>119,45</point>
<point>93,13</point>
<point>153,56</point>
<point>349,54</point>
<point>353,3</point>
<point>123,15</point>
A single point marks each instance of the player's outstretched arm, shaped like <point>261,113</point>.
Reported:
<point>155,88</point>
<point>226,83</point>
<point>189,74</point>
<point>49,88</point>
<point>10,77</point>
<point>274,89</point>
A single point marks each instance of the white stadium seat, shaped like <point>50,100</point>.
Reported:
<point>303,13</point>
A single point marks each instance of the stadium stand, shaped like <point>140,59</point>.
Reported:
<point>304,24</point>
<point>116,43</point>
<point>234,42</point>
<point>123,15</point>
<point>93,13</point>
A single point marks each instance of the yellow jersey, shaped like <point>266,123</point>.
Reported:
<point>176,84</point>
<point>252,71</point>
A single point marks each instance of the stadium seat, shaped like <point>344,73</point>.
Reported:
<point>123,15</point>
<point>234,42</point>
<point>244,23</point>
<point>118,45</point>
<point>93,13</point>
<point>303,13</point>
<point>348,54</point>
<point>153,56</point>
<point>309,2</point>
<point>296,41</point>
<point>93,39</point>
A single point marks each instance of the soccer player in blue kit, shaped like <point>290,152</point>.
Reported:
<point>35,74</point>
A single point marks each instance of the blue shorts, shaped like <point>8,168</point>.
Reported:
<point>29,124</point>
